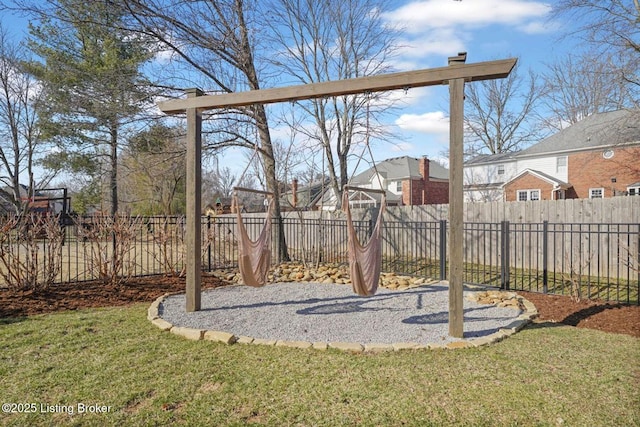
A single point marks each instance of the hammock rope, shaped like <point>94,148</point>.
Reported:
<point>365,261</point>
<point>254,256</point>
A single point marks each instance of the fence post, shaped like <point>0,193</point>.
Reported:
<point>320,240</point>
<point>504,255</point>
<point>545,256</point>
<point>209,241</point>
<point>443,249</point>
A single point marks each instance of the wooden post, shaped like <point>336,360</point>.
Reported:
<point>456,201</point>
<point>193,239</point>
<point>455,74</point>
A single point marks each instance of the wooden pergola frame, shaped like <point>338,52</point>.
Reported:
<point>455,75</point>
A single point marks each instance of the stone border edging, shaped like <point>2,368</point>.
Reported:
<point>529,313</point>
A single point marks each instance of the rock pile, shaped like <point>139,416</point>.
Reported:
<point>498,298</point>
<point>326,273</point>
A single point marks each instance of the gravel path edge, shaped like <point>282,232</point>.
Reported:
<point>301,296</point>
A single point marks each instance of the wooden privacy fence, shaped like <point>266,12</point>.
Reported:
<point>599,260</point>
<point>596,260</point>
<point>591,211</point>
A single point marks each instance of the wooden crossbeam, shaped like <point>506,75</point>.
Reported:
<point>403,80</point>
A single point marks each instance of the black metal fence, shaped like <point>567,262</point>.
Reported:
<point>587,260</point>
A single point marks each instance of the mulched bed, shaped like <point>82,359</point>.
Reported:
<point>603,316</point>
<point>75,296</point>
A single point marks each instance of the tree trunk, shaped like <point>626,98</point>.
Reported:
<point>282,253</point>
<point>113,173</point>
<point>260,117</point>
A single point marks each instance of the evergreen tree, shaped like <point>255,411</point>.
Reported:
<point>91,78</point>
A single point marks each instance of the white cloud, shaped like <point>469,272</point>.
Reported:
<point>537,27</point>
<point>439,41</point>
<point>419,16</point>
<point>403,98</point>
<point>164,56</point>
<point>430,123</point>
<point>402,147</point>
<point>445,27</point>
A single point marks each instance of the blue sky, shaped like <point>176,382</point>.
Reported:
<point>486,30</point>
<point>435,30</point>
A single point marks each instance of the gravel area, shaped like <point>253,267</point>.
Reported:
<point>317,312</point>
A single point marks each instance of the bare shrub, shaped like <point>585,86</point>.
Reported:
<point>169,248</point>
<point>575,275</point>
<point>630,257</point>
<point>108,243</point>
<point>30,251</point>
<point>220,239</point>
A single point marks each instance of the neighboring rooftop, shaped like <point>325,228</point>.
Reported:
<point>598,130</point>
<point>400,168</point>
<point>491,158</point>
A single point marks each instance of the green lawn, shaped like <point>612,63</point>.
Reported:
<point>543,375</point>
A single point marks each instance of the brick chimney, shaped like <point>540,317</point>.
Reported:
<point>423,168</point>
<point>294,192</point>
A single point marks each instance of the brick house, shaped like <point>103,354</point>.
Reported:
<point>594,158</point>
<point>406,181</point>
<point>429,187</point>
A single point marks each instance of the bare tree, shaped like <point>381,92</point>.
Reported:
<point>332,40</point>
<point>289,156</point>
<point>19,133</point>
<point>217,41</point>
<point>224,179</point>
<point>154,170</point>
<point>578,86</point>
<point>611,27</point>
<point>500,114</point>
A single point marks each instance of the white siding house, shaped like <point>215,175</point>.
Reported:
<point>487,175</point>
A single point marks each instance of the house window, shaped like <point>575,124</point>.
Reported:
<point>500,169</point>
<point>596,193</point>
<point>399,186</point>
<point>634,191</point>
<point>525,195</point>
<point>561,164</point>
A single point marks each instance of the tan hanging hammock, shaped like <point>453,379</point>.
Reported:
<point>364,261</point>
<point>254,257</point>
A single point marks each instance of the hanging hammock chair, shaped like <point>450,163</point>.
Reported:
<point>365,261</point>
<point>254,257</point>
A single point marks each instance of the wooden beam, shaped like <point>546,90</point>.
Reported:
<point>403,80</point>
<point>456,204</point>
<point>193,238</point>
